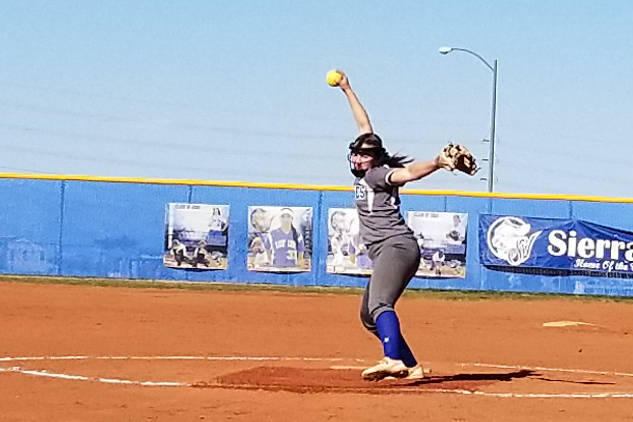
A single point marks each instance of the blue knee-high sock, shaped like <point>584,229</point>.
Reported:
<point>389,334</point>
<point>406,354</point>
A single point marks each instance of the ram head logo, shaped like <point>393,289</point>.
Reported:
<point>510,240</point>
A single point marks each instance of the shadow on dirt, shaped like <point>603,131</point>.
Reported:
<point>506,376</point>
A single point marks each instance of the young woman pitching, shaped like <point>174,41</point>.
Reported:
<point>391,243</point>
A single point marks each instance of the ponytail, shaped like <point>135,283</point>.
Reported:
<point>396,160</point>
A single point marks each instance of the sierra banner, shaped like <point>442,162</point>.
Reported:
<point>551,243</point>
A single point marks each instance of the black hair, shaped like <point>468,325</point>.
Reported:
<point>371,144</point>
<point>295,236</point>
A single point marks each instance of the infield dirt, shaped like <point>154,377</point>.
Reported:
<point>489,357</point>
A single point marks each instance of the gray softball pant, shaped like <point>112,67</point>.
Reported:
<point>395,261</point>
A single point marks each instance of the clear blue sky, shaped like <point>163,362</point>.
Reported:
<point>236,90</point>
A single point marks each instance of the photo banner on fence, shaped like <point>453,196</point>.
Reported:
<point>346,252</point>
<point>196,236</point>
<point>441,237</point>
<point>279,239</point>
<point>559,244</point>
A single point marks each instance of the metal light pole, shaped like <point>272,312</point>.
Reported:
<point>493,68</point>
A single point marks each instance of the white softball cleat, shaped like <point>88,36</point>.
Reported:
<point>387,367</point>
<point>415,373</point>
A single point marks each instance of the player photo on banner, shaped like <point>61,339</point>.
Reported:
<point>196,236</point>
<point>279,239</point>
<point>442,240</point>
<point>346,252</point>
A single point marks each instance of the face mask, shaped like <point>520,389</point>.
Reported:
<point>355,172</point>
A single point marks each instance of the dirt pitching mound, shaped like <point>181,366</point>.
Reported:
<point>306,380</point>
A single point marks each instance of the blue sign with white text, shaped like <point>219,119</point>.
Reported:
<point>562,244</point>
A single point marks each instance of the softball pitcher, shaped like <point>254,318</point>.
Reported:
<point>390,242</point>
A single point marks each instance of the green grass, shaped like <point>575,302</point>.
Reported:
<point>182,285</point>
<point>248,287</point>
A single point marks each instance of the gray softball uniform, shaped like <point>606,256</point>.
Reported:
<point>390,242</point>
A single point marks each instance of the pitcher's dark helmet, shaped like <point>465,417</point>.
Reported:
<point>370,144</point>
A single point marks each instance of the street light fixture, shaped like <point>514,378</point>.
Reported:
<point>493,68</point>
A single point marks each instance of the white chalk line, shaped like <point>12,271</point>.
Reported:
<point>43,373</point>
<point>300,359</point>
<point>17,369</point>
<point>399,390</point>
<point>542,368</point>
<point>525,395</point>
<point>210,358</point>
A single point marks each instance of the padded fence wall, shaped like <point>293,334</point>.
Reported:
<point>113,229</point>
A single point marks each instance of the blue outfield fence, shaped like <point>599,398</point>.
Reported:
<point>106,227</point>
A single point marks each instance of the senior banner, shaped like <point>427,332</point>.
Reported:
<point>346,252</point>
<point>196,236</point>
<point>441,238</point>
<point>279,239</point>
<point>560,244</point>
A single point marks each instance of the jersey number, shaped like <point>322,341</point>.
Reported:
<point>360,192</point>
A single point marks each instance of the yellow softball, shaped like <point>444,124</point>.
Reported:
<point>333,78</point>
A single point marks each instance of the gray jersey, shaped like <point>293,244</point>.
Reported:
<point>378,205</point>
